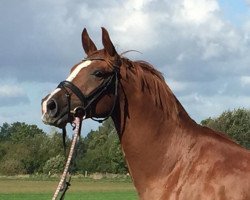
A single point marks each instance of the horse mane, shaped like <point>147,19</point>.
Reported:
<point>151,80</point>
<point>150,68</point>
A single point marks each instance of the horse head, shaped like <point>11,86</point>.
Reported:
<point>91,87</point>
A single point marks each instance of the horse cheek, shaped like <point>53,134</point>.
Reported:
<point>104,106</point>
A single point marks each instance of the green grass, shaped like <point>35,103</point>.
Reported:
<point>28,189</point>
<point>73,196</point>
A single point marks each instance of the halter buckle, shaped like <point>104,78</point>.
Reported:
<point>78,112</point>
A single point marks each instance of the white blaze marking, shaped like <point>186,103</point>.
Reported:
<point>77,70</point>
<point>45,102</point>
<point>70,78</point>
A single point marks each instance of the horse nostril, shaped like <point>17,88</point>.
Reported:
<point>51,105</point>
<point>52,108</point>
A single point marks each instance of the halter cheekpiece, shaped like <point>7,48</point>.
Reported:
<point>88,100</point>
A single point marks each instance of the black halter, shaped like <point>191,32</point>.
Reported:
<point>87,100</point>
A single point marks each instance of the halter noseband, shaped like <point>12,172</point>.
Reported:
<point>87,100</point>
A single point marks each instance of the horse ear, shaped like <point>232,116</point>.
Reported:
<point>87,44</point>
<point>108,45</point>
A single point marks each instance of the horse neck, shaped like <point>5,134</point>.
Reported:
<point>147,131</point>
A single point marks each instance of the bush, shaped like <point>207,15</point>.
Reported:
<point>54,165</point>
<point>12,167</point>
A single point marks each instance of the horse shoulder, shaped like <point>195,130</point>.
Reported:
<point>210,171</point>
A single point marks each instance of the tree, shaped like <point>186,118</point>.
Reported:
<point>20,132</point>
<point>102,151</point>
<point>26,148</point>
<point>236,124</point>
<point>5,131</point>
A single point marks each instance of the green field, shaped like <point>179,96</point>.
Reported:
<point>28,189</point>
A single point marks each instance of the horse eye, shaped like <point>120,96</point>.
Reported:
<point>99,74</point>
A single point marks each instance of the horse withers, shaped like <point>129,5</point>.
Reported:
<point>169,156</point>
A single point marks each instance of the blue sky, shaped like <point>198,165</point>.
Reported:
<point>235,11</point>
<point>201,46</point>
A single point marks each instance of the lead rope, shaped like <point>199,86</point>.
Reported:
<point>63,185</point>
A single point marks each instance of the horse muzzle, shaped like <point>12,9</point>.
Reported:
<point>53,114</point>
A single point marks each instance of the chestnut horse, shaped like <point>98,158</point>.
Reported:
<point>169,156</point>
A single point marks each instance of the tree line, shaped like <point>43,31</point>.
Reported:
<point>26,149</point>
<point>235,123</point>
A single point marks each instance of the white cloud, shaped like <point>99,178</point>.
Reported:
<point>177,86</point>
<point>12,94</point>
<point>11,91</point>
<point>246,30</point>
<point>245,80</point>
<point>197,11</point>
<point>212,106</point>
<point>125,21</point>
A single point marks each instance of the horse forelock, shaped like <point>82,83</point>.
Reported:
<point>100,54</point>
